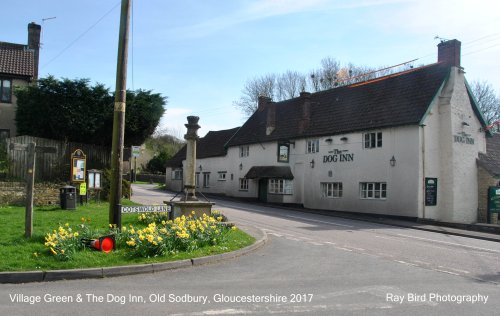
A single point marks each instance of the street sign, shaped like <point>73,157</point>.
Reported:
<point>431,191</point>
<point>146,208</point>
<point>83,188</point>
<point>136,151</point>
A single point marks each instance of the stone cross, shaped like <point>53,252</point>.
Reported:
<point>191,137</point>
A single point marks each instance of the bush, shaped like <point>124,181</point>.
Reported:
<point>106,186</point>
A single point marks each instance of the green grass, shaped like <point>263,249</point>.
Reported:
<point>17,252</point>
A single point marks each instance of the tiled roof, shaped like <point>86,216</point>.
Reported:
<point>394,100</point>
<point>490,161</point>
<point>212,145</point>
<point>16,59</point>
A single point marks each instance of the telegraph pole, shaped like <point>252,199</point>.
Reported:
<point>119,118</point>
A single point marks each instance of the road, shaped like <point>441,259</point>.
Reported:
<point>326,265</point>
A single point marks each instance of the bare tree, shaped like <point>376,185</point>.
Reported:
<point>289,85</point>
<point>488,101</point>
<point>259,86</point>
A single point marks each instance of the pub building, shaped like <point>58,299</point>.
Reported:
<point>406,144</point>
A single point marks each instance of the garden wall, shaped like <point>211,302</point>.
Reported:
<point>13,193</point>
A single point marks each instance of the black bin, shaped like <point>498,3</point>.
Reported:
<point>67,196</point>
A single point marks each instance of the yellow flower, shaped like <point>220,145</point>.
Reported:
<point>53,251</point>
<point>141,237</point>
<point>163,222</point>
<point>233,228</point>
<point>67,224</point>
<point>82,219</point>
<point>132,231</point>
<point>62,251</point>
<point>159,238</point>
<point>110,226</point>
<point>131,242</point>
<point>76,234</point>
<point>35,254</point>
<point>151,238</point>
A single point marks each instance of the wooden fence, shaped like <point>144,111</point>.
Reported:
<point>54,166</point>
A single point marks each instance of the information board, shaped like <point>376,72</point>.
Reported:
<point>431,185</point>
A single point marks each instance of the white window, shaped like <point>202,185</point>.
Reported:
<point>222,175</point>
<point>372,140</point>
<point>206,179</point>
<point>177,174</point>
<point>373,190</point>
<point>244,151</point>
<point>331,189</point>
<point>243,184</point>
<point>5,90</point>
<point>280,186</point>
<point>312,146</point>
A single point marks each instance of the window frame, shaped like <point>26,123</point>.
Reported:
<point>243,182</point>
<point>312,146</point>
<point>2,100</point>
<point>177,174</point>
<point>244,151</point>
<point>206,179</point>
<point>372,140</point>
<point>332,190</point>
<point>280,186</point>
<point>373,190</point>
<point>222,176</point>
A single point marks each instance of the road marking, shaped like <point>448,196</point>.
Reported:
<point>318,221</point>
<point>315,243</point>
<point>458,270</point>
<point>450,243</point>
<point>330,243</point>
<point>445,271</point>
<point>407,263</point>
<point>341,248</point>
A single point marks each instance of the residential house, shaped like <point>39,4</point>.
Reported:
<point>18,67</point>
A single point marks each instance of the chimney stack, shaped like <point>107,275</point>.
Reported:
<point>306,111</point>
<point>271,118</point>
<point>34,44</point>
<point>449,53</point>
<point>263,101</point>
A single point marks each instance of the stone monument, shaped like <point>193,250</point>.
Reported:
<point>191,203</point>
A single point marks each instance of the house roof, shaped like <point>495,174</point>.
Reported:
<point>212,145</point>
<point>490,161</point>
<point>16,59</point>
<point>394,100</point>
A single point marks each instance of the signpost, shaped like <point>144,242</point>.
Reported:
<point>146,208</point>
<point>32,149</point>
<point>136,152</point>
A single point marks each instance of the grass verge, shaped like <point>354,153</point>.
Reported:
<point>21,254</point>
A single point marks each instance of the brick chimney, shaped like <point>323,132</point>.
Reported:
<point>306,111</point>
<point>262,103</point>
<point>271,118</point>
<point>449,53</point>
<point>34,44</point>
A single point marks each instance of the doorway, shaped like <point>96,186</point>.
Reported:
<point>263,190</point>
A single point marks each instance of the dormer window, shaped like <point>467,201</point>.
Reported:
<point>372,140</point>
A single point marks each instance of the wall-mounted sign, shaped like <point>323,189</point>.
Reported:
<point>338,155</point>
<point>463,138</point>
<point>431,185</point>
<point>146,208</point>
<point>283,152</point>
<point>78,166</point>
<point>136,151</point>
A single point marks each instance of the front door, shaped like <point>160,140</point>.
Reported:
<point>263,190</point>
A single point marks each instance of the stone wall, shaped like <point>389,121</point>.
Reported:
<point>13,193</point>
<point>485,180</point>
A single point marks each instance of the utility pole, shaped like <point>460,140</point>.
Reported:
<point>119,118</point>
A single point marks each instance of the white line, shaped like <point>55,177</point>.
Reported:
<point>315,243</point>
<point>450,243</point>
<point>318,221</point>
<point>343,249</point>
<point>329,242</point>
<point>449,272</point>
<point>458,270</point>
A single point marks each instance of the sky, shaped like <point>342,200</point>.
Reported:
<point>200,53</point>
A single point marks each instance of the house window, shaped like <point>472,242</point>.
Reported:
<point>312,146</point>
<point>177,174</point>
<point>280,186</point>
<point>283,152</point>
<point>243,184</point>
<point>206,179</point>
<point>372,140</point>
<point>197,180</point>
<point>4,134</point>
<point>222,175</point>
<point>5,90</point>
<point>244,151</point>
<point>373,190</point>
<point>331,189</point>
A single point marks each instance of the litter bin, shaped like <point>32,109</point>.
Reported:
<point>67,197</point>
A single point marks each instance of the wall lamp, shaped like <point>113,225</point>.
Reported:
<point>329,140</point>
<point>200,167</point>
<point>241,166</point>
<point>312,163</point>
<point>465,124</point>
<point>344,139</point>
<point>392,161</point>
